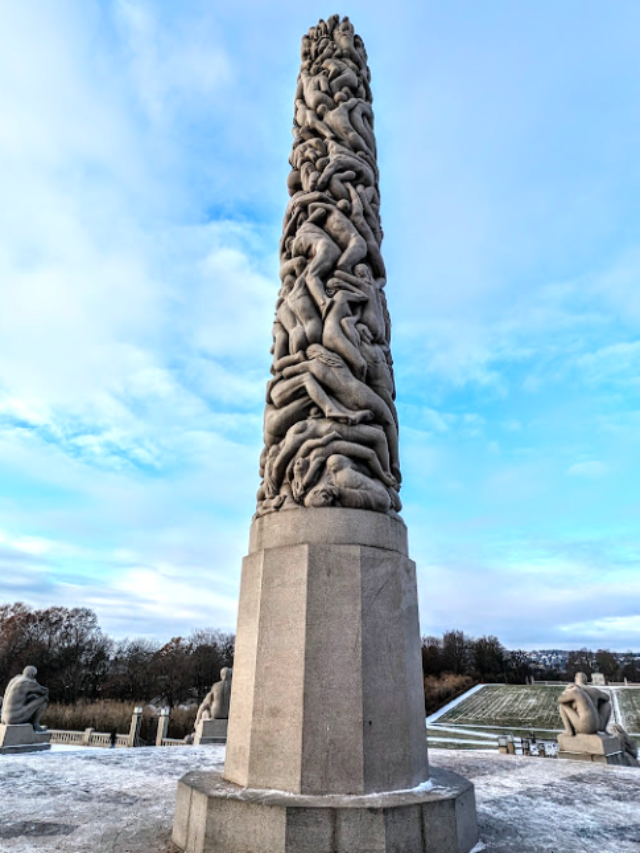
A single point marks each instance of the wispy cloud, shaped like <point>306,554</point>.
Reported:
<point>144,149</point>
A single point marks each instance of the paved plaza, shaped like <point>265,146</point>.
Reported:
<point>99,801</point>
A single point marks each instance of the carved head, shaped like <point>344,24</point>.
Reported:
<point>322,495</point>
<point>344,206</point>
<point>338,462</point>
<point>225,674</point>
<point>581,679</point>
<point>344,34</point>
<point>362,271</point>
<point>29,672</point>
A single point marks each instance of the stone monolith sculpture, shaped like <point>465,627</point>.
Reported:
<point>213,714</point>
<point>326,748</point>
<point>23,707</point>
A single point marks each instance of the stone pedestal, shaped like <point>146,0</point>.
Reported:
<point>599,748</point>
<point>22,738</point>
<point>327,707</point>
<point>327,692</point>
<point>214,816</point>
<point>211,731</point>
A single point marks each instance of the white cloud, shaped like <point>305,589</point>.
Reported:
<point>591,470</point>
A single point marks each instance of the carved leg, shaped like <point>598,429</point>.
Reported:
<point>569,718</point>
<point>355,252</point>
<point>324,259</point>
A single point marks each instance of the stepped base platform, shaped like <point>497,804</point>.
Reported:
<point>22,738</point>
<point>216,816</point>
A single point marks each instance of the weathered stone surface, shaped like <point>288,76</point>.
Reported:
<point>211,731</point>
<point>599,748</point>
<point>340,526</point>
<point>22,738</point>
<point>328,692</point>
<point>214,816</point>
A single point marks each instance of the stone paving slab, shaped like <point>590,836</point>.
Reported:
<point>122,801</point>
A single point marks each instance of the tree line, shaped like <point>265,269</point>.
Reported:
<point>485,659</point>
<point>77,660</point>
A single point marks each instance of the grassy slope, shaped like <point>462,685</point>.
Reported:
<point>515,706</point>
<point>526,707</point>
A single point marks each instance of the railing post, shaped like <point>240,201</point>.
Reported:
<point>136,722</point>
<point>163,725</point>
<point>86,737</point>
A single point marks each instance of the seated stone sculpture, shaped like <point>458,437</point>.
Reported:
<point>584,709</point>
<point>216,702</point>
<point>25,701</point>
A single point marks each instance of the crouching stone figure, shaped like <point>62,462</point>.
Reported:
<point>25,701</point>
<point>584,709</point>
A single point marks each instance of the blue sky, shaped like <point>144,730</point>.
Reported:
<point>144,149</point>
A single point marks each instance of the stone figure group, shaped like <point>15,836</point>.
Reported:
<point>25,701</point>
<point>331,428</point>
<point>586,710</point>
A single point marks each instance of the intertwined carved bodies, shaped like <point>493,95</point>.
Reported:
<point>25,701</point>
<point>331,427</point>
<point>584,709</point>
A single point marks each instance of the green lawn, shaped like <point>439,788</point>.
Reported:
<point>509,705</point>
<point>525,707</point>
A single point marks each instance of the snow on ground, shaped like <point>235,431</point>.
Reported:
<point>98,800</point>
<point>122,801</point>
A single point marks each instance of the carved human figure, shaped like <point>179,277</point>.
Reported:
<point>342,78</point>
<point>313,86</point>
<point>346,486</point>
<point>371,312</point>
<point>344,37</point>
<point>312,433</point>
<point>347,167</point>
<point>339,332</point>
<point>584,709</point>
<point>216,703</point>
<point>25,701</point>
<point>348,122</point>
<point>349,398</point>
<point>330,424</point>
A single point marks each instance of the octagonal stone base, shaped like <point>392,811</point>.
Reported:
<point>216,816</point>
